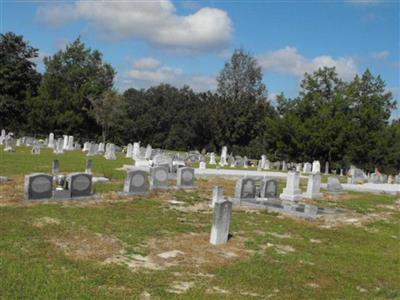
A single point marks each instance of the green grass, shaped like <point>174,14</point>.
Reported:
<point>347,262</point>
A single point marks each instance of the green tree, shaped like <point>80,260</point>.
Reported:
<point>241,78</point>
<point>19,80</point>
<point>72,78</point>
<point>107,110</point>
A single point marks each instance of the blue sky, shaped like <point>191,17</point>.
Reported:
<point>187,42</point>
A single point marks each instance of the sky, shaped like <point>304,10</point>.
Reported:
<point>188,42</point>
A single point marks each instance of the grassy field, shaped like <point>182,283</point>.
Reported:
<point>109,247</point>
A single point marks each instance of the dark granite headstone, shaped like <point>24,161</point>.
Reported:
<point>80,184</point>
<point>245,188</point>
<point>38,186</point>
<point>159,177</point>
<point>136,182</point>
<point>269,188</point>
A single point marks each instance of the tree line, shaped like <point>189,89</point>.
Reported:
<point>330,120</point>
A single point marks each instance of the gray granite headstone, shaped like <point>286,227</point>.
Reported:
<point>38,186</point>
<point>221,222</point>
<point>245,188</point>
<point>218,195</point>
<point>80,184</point>
<point>136,182</point>
<point>159,177</point>
<point>185,177</point>
<point>269,188</point>
<point>334,185</point>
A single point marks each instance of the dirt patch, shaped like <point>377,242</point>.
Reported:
<point>85,245</point>
<point>44,221</point>
<point>188,251</point>
<point>180,287</point>
<point>206,185</point>
<point>12,191</point>
<point>350,218</point>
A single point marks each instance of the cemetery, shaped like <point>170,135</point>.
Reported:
<point>191,149</point>
<point>150,215</point>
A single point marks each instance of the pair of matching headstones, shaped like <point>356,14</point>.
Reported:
<point>139,180</point>
<point>246,189</point>
<point>39,186</point>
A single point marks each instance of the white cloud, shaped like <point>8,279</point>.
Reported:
<point>140,77</point>
<point>146,63</point>
<point>154,21</point>
<point>289,61</point>
<point>380,55</point>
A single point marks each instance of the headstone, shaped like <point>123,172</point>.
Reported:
<point>269,188</point>
<point>212,159</point>
<point>307,167</point>
<point>129,150</point>
<point>92,149</point>
<point>245,189</point>
<point>313,186</point>
<point>221,222</point>
<point>18,144</point>
<point>326,167</point>
<point>89,165</point>
<point>218,195</point>
<point>163,160</point>
<point>334,185</point>
<point>267,165</point>
<point>202,165</point>
<point>65,142</point>
<point>2,136</point>
<point>284,166</point>
<point>159,177</point>
<point>86,146</point>
<point>59,147</point>
<point>8,147</point>
<point>358,175</point>
<point>298,168</point>
<point>55,167</point>
<point>38,186</point>
<point>51,143</point>
<point>35,149</point>
<point>292,191</point>
<point>70,145</point>
<point>149,151</point>
<point>80,184</point>
<point>101,149</point>
<point>110,152</point>
<point>316,167</point>
<point>263,161</point>
<point>136,150</point>
<point>224,154</point>
<point>136,182</point>
<point>185,177</point>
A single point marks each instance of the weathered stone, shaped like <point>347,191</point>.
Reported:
<point>245,189</point>
<point>334,185</point>
<point>51,143</point>
<point>212,159</point>
<point>269,188</point>
<point>89,165</point>
<point>313,186</point>
<point>136,182</point>
<point>218,195</point>
<point>221,222</point>
<point>55,167</point>
<point>292,191</point>
<point>316,167</point>
<point>159,177</point>
<point>185,177</point>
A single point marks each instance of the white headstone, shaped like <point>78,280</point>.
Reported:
<point>110,152</point>
<point>65,143</point>
<point>316,167</point>
<point>129,152</point>
<point>212,159</point>
<point>202,165</point>
<point>51,143</point>
<point>224,155</point>
<point>70,145</point>
<point>221,222</point>
<point>148,152</point>
<point>292,191</point>
<point>313,186</point>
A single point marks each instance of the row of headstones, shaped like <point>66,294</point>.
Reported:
<point>246,188</point>
<point>40,186</point>
<point>140,181</point>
